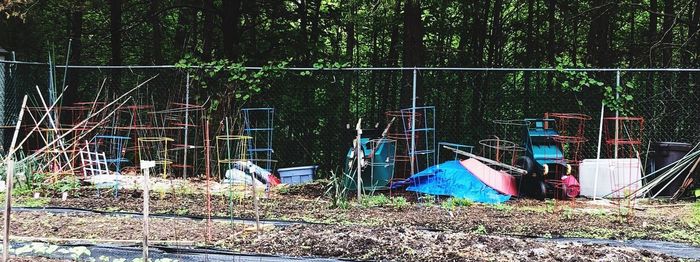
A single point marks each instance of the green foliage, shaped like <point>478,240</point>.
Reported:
<point>694,218</point>
<point>337,189</point>
<point>232,78</point>
<point>480,230</point>
<point>502,207</point>
<point>374,201</point>
<point>453,202</point>
<point>616,98</point>
<point>399,202</point>
<point>283,189</point>
<point>66,184</point>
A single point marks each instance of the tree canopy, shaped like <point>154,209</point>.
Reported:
<point>529,33</point>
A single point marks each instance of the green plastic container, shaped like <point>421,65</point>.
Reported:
<point>379,168</point>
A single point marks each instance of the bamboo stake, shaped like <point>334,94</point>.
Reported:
<point>54,126</point>
<point>687,177</point>
<point>79,138</point>
<point>86,120</point>
<point>36,127</point>
<point>10,165</point>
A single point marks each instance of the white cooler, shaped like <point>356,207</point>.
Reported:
<point>613,174</point>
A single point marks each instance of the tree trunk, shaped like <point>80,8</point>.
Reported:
<point>183,29</point>
<point>76,34</point>
<point>231,17</point>
<point>315,29</point>
<point>651,41</point>
<point>478,32</point>
<point>413,51</point>
<point>599,37</point>
<point>551,42</point>
<point>391,60</point>
<point>208,29</point>
<point>529,46</point>
<point>304,35</point>
<point>115,25</point>
<point>667,33</point>
<point>349,51</point>
<point>156,54</point>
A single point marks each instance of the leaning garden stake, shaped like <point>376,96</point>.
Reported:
<point>358,150</point>
<point>10,167</point>
<point>145,167</point>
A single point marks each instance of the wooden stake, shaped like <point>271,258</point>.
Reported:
<point>207,165</point>
<point>10,167</point>
<point>255,196</point>
<point>146,167</point>
<point>358,147</point>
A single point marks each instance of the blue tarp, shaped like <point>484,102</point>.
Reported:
<point>452,179</point>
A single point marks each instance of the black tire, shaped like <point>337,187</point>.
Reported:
<point>526,163</point>
<point>540,190</point>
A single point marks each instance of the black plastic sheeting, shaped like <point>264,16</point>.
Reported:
<point>59,210</point>
<point>161,252</point>
<point>669,248</point>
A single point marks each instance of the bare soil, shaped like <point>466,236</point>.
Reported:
<point>406,243</point>
<point>516,217</point>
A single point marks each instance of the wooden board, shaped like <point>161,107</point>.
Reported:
<point>498,180</point>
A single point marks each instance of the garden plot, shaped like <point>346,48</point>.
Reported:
<point>402,226</point>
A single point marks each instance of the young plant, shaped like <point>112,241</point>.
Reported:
<point>453,202</point>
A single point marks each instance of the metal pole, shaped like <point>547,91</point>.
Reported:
<point>617,110</point>
<point>597,162</point>
<point>187,122</point>
<point>65,70</point>
<point>413,123</point>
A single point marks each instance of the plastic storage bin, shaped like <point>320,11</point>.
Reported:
<point>665,153</point>
<point>297,175</point>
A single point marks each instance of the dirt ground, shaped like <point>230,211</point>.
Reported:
<point>516,217</point>
<point>382,243</point>
<point>409,228</point>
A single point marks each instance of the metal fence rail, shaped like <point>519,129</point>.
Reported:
<point>314,107</point>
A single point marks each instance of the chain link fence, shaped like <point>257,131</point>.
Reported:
<point>315,111</point>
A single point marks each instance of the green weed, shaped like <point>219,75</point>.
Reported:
<point>66,184</point>
<point>283,189</point>
<point>399,202</point>
<point>375,201</point>
<point>502,207</point>
<point>480,230</point>
<point>694,219</point>
<point>453,202</point>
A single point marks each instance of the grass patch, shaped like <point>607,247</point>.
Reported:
<point>399,202</point>
<point>694,217</point>
<point>453,202</point>
<point>378,201</point>
<point>33,202</point>
<point>375,201</point>
<point>502,207</point>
